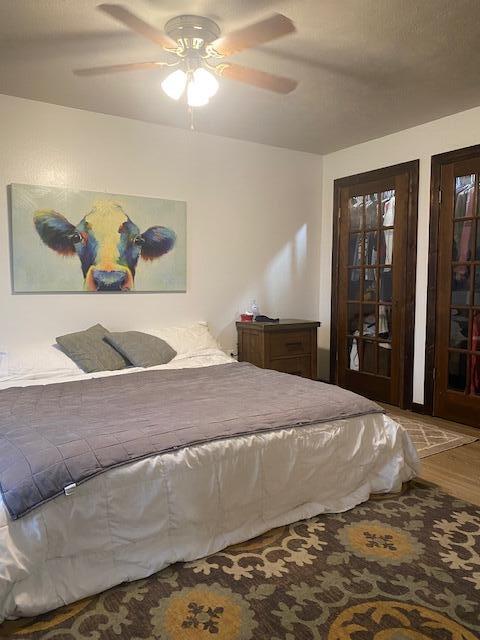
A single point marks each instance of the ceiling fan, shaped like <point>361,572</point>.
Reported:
<point>199,51</point>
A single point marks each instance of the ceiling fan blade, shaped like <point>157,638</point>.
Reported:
<point>123,15</point>
<point>115,68</point>
<point>271,28</point>
<point>256,78</point>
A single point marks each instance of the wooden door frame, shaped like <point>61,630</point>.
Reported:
<point>412,168</point>
<point>438,162</point>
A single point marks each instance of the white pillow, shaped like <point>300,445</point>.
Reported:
<point>186,339</point>
<point>48,361</point>
<point>36,361</point>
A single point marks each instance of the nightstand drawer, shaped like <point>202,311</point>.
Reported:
<point>290,343</point>
<point>300,366</point>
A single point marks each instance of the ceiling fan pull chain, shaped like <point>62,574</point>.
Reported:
<point>192,123</point>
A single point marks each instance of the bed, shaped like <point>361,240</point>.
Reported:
<point>135,518</point>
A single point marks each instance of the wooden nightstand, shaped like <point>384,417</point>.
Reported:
<point>289,346</point>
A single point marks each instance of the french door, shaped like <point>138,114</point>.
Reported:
<point>375,283</point>
<point>457,336</point>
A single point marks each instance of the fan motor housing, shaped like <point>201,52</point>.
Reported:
<point>192,32</point>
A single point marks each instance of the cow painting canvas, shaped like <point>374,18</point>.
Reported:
<point>84,241</point>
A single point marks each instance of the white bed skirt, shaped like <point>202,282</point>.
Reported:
<point>137,519</point>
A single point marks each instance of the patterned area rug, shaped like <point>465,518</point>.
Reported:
<point>402,569</point>
<point>427,438</point>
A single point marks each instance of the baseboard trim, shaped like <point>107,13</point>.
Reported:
<point>415,407</point>
<point>419,408</point>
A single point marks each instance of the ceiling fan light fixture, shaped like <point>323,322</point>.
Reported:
<point>195,41</point>
<point>202,85</point>
<point>197,96</point>
<point>206,80</point>
<point>174,84</point>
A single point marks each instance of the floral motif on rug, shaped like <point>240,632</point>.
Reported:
<point>406,568</point>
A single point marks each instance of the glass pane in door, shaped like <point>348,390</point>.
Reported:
<point>464,196</point>
<point>371,211</point>
<point>477,244</point>
<point>355,249</point>
<point>476,290</point>
<point>371,247</point>
<point>459,325</point>
<point>388,208</point>
<point>353,318</point>
<point>369,319</point>
<point>475,375</point>
<point>370,285</point>
<point>461,285</point>
<point>386,285</point>
<point>385,322</point>
<point>355,211</point>
<point>354,284</point>
<point>353,361</point>
<point>463,235</point>
<point>476,330</point>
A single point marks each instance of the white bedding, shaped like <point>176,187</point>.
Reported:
<point>204,357</point>
<point>134,520</point>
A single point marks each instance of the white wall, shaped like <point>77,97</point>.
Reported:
<point>252,218</point>
<point>446,134</point>
<point>257,216</point>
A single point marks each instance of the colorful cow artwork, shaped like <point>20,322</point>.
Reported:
<point>72,241</point>
<point>107,242</point>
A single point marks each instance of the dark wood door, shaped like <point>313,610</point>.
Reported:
<point>376,280</point>
<point>457,343</point>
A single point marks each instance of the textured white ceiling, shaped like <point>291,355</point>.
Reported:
<point>366,67</point>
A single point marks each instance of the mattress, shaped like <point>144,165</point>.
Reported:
<point>53,437</point>
<point>136,519</point>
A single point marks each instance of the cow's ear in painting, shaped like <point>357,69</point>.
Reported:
<point>55,231</point>
<point>156,242</point>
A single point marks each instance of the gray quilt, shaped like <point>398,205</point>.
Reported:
<point>52,436</point>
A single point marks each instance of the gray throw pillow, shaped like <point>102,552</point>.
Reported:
<point>90,352</point>
<point>141,349</point>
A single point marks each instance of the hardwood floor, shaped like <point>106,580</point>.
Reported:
<point>456,471</point>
